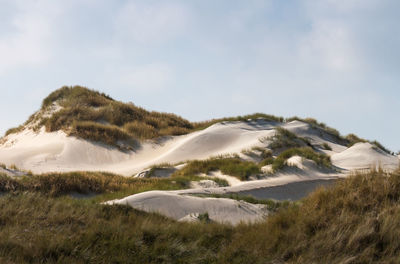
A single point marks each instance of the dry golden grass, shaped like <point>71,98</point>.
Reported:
<point>355,221</point>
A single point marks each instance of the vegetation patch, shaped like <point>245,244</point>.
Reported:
<point>284,139</point>
<point>318,125</point>
<point>92,115</point>
<point>326,146</point>
<point>305,152</point>
<point>232,166</point>
<point>246,118</point>
<point>111,186</point>
<point>355,221</point>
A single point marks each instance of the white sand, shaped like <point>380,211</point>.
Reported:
<point>182,206</point>
<point>364,156</point>
<point>46,152</point>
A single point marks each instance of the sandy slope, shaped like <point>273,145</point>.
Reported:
<point>292,183</point>
<point>179,206</point>
<point>364,156</point>
<point>44,152</point>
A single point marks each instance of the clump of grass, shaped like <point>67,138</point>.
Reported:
<point>380,146</point>
<point>204,217</point>
<point>98,132</point>
<point>14,130</point>
<point>264,153</point>
<point>109,121</point>
<point>315,124</point>
<point>305,152</point>
<point>266,161</point>
<point>14,167</point>
<point>233,166</point>
<point>58,184</point>
<point>284,139</point>
<point>246,118</point>
<point>326,146</point>
<point>141,130</point>
<point>353,139</point>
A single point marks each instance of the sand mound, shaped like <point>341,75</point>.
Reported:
<point>46,152</point>
<point>364,156</point>
<point>179,207</point>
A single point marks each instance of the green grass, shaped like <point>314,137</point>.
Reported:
<point>92,115</point>
<point>232,166</point>
<point>326,146</point>
<point>246,118</point>
<point>106,185</point>
<point>284,139</point>
<point>315,124</point>
<point>58,184</point>
<point>308,153</point>
<point>81,105</point>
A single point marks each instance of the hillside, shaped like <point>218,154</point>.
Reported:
<point>80,129</point>
<point>149,186</point>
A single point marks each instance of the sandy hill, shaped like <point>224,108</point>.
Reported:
<point>77,129</point>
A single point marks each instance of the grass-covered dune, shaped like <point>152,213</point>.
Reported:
<point>95,116</point>
<point>355,221</point>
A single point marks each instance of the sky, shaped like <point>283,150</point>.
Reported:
<point>335,60</point>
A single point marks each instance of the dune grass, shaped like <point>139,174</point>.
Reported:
<point>58,184</point>
<point>284,139</point>
<point>355,221</point>
<point>95,116</point>
<point>81,105</point>
<point>318,125</point>
<point>246,118</point>
<point>326,146</point>
<point>305,152</point>
<point>232,166</point>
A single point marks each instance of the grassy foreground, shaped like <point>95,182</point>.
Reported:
<point>355,221</point>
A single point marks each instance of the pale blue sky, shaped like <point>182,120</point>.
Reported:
<point>334,60</point>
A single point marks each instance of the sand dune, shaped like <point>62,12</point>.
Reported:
<point>180,207</point>
<point>364,156</point>
<point>45,152</point>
